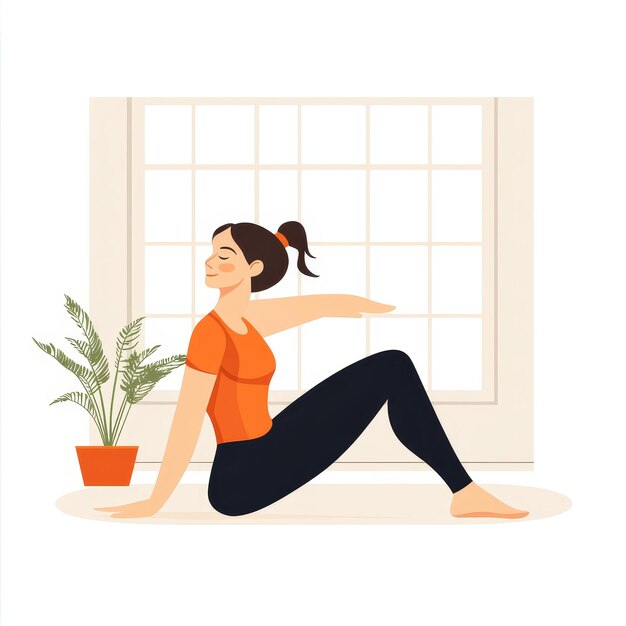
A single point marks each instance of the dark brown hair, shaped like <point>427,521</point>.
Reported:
<point>259,243</point>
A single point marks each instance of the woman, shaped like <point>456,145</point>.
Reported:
<point>227,373</point>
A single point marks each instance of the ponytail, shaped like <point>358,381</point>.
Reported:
<point>296,236</point>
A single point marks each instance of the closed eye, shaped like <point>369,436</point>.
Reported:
<point>224,258</point>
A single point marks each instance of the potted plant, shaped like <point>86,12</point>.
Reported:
<point>109,464</point>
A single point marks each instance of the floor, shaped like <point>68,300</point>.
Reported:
<point>317,504</point>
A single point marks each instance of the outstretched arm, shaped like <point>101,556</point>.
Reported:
<point>277,314</point>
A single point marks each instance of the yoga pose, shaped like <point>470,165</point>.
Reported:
<point>260,460</point>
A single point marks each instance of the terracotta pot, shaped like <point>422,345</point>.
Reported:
<point>106,465</point>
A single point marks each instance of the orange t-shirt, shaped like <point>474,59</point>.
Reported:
<point>244,365</point>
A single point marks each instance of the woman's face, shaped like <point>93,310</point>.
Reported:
<point>227,266</point>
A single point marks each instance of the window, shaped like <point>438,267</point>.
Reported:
<point>401,200</point>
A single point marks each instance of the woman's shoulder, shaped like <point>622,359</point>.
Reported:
<point>209,331</point>
<point>209,325</point>
<point>207,345</point>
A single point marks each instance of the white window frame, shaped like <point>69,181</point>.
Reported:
<point>497,420</point>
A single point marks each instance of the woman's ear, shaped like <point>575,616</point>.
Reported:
<point>256,267</point>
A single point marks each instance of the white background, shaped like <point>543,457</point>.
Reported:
<point>565,569</point>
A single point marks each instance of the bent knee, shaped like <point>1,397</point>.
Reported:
<point>396,357</point>
<point>399,362</point>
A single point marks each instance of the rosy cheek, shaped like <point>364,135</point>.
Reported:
<point>226,267</point>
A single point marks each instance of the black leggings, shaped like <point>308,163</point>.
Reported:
<point>312,432</point>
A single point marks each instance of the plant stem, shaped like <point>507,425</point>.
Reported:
<point>100,421</point>
<point>104,412</point>
<point>130,406</point>
<point>117,368</point>
<point>119,416</point>
<point>99,429</point>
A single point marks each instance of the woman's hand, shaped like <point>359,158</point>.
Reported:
<point>143,508</point>
<point>354,306</point>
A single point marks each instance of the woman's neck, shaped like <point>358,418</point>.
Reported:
<point>233,302</point>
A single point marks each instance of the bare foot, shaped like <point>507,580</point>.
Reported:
<point>474,501</point>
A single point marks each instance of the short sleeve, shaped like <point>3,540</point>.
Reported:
<point>206,346</point>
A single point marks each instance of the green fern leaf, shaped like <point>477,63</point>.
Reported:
<point>93,350</point>
<point>100,367</point>
<point>145,381</point>
<point>84,375</point>
<point>144,354</point>
<point>170,363</point>
<point>149,375</point>
<point>127,339</point>
<point>79,398</point>
<point>133,365</point>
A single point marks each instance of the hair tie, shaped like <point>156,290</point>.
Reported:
<point>282,239</point>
